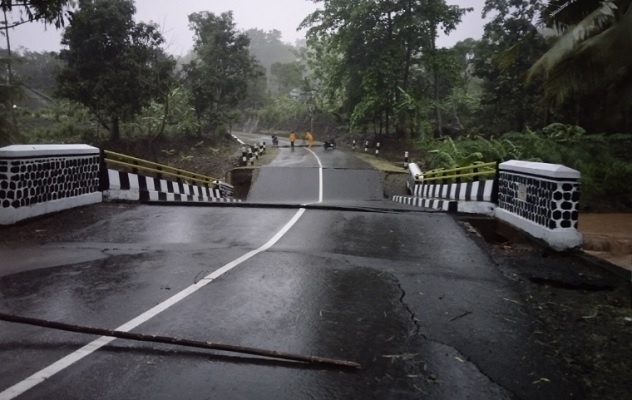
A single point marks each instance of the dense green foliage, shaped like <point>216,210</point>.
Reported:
<point>23,11</point>
<point>602,160</point>
<point>268,48</point>
<point>219,75</point>
<point>49,11</point>
<point>369,68</point>
<point>371,57</point>
<point>593,53</point>
<point>112,65</point>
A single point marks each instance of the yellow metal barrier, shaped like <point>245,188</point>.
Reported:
<point>482,169</point>
<point>124,161</point>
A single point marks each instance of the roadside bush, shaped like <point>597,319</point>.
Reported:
<point>603,160</point>
<point>617,178</point>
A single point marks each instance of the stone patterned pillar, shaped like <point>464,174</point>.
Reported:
<point>541,199</point>
<point>38,179</point>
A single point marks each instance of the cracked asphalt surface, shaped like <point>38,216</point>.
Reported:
<point>427,307</point>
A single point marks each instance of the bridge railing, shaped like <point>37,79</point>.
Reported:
<point>470,172</point>
<point>159,170</point>
<point>540,199</point>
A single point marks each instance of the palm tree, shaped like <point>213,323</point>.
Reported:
<point>593,51</point>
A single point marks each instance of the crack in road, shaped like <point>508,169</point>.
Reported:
<point>413,318</point>
<point>464,359</point>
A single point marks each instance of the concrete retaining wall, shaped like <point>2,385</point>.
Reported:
<point>40,179</point>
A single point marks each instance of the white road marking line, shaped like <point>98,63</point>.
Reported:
<point>320,176</point>
<point>95,345</point>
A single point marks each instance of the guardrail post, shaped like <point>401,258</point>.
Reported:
<point>377,149</point>
<point>244,156</point>
<point>104,178</point>
<point>405,159</point>
<point>354,144</point>
<point>366,146</point>
<point>158,175</point>
<point>135,170</point>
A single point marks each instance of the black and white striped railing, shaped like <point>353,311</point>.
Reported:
<point>134,187</point>
<point>469,197</point>
<point>463,191</point>
<point>434,204</point>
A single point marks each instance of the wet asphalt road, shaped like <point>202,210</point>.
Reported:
<point>407,294</point>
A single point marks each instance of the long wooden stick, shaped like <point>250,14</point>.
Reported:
<point>178,341</point>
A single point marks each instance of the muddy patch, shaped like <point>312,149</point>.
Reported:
<point>609,237</point>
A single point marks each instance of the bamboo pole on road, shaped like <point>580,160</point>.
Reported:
<point>179,342</point>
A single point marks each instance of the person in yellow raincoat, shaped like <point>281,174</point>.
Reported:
<point>292,138</point>
<point>310,139</point>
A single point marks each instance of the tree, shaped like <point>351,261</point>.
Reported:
<point>49,11</point>
<point>52,12</point>
<point>37,70</point>
<point>287,76</point>
<point>439,16</point>
<point>354,52</point>
<point>372,49</point>
<point>268,48</point>
<point>459,90</point>
<point>113,65</point>
<point>592,56</point>
<point>219,75</point>
<point>507,104</point>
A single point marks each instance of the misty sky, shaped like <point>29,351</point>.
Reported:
<point>283,15</point>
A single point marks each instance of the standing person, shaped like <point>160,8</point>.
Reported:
<point>292,138</point>
<point>310,139</point>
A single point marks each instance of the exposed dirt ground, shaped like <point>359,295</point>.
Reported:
<point>581,306</point>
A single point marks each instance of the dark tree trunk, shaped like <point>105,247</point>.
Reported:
<point>407,134</point>
<point>435,73</point>
<point>199,120</point>
<point>115,133</point>
<point>436,100</point>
